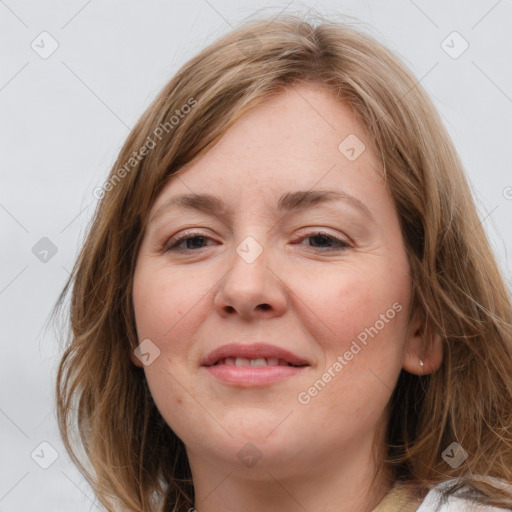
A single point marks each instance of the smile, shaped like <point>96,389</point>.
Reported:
<point>258,362</point>
<point>255,364</point>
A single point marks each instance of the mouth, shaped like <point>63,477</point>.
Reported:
<point>253,355</point>
<point>258,364</point>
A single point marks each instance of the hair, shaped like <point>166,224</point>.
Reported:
<point>129,455</point>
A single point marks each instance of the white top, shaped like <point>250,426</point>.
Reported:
<point>432,503</point>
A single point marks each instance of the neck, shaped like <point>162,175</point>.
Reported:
<point>329,483</point>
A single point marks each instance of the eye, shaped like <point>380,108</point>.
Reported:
<point>321,238</point>
<point>322,241</point>
<point>196,240</point>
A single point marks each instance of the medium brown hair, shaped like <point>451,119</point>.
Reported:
<point>130,455</point>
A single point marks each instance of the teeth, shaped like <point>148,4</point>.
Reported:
<point>260,361</point>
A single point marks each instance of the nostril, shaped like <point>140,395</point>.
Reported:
<point>265,307</point>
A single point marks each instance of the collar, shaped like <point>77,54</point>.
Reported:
<point>398,499</point>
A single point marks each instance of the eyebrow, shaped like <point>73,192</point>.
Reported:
<point>289,201</point>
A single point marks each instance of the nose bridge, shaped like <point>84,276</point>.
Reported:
<point>251,284</point>
<point>249,267</point>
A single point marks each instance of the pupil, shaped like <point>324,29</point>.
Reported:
<point>189,241</point>
<point>323,238</point>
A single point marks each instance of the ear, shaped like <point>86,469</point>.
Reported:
<point>422,346</point>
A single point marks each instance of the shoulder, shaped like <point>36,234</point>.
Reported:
<point>435,502</point>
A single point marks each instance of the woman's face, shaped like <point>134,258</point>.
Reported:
<point>297,248</point>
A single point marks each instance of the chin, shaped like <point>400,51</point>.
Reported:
<point>252,457</point>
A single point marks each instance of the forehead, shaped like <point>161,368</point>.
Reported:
<point>303,138</point>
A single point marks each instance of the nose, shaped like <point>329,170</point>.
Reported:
<point>252,289</point>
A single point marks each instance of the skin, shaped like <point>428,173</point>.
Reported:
<point>318,297</point>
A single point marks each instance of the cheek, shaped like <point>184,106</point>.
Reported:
<point>155,306</point>
<point>164,304</point>
<point>346,302</point>
<point>362,356</point>
<point>361,316</point>
<point>168,305</point>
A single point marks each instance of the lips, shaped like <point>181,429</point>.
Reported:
<point>255,354</point>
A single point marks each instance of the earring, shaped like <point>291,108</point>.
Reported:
<point>421,364</point>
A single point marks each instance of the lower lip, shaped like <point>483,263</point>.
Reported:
<point>253,375</point>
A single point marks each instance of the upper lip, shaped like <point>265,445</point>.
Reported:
<point>252,351</point>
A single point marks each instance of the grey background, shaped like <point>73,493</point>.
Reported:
<point>64,118</point>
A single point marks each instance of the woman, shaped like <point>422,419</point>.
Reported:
<point>366,370</point>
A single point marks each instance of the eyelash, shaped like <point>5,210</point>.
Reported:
<point>341,245</point>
